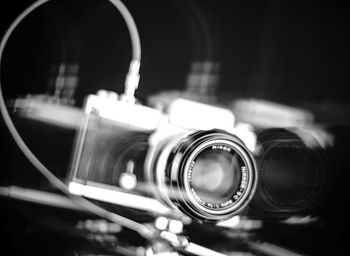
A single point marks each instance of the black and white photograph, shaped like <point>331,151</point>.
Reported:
<point>174,128</point>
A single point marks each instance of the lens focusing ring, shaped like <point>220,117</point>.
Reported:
<point>179,175</point>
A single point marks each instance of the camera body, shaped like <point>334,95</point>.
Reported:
<point>189,159</point>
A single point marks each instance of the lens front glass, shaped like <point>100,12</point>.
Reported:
<point>217,176</point>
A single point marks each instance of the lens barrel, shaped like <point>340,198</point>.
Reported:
<point>210,175</point>
<point>292,176</point>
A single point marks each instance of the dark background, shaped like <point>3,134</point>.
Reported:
<point>294,53</point>
<point>282,51</point>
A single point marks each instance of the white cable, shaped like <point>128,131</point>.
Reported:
<point>134,34</point>
<point>133,77</point>
<point>197,249</point>
<point>142,229</point>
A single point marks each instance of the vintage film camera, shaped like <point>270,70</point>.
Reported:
<point>190,159</point>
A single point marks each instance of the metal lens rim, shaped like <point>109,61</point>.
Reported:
<point>248,191</point>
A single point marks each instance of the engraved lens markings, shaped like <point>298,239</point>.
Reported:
<point>234,197</point>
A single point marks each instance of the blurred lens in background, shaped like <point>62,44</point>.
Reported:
<point>292,175</point>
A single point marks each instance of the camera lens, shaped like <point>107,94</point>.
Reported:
<point>210,175</point>
<point>215,175</point>
<point>292,176</point>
